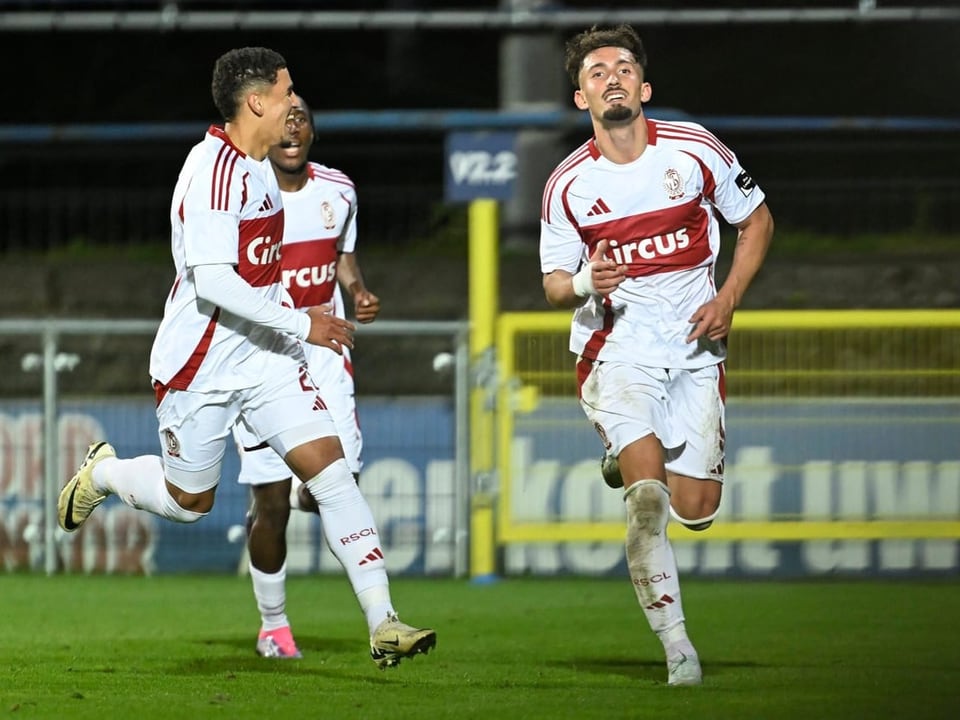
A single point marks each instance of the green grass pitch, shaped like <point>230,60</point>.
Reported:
<point>182,647</point>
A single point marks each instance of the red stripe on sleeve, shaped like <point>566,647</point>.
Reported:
<point>552,181</point>
<point>215,181</point>
<point>676,132</point>
<point>225,205</point>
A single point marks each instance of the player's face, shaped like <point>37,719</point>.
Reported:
<point>611,86</point>
<point>290,155</point>
<point>276,103</point>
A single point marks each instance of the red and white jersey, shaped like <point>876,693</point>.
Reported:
<point>320,222</point>
<point>658,215</point>
<point>226,209</point>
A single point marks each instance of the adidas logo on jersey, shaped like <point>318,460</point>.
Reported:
<point>266,205</point>
<point>599,208</point>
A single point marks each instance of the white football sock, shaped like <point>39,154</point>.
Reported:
<point>139,482</point>
<point>353,538</point>
<point>376,605</point>
<point>270,589</point>
<point>650,559</point>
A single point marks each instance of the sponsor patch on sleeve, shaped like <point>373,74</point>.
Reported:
<point>745,183</point>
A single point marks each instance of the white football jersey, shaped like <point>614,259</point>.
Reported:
<point>658,215</point>
<point>320,222</point>
<point>226,209</point>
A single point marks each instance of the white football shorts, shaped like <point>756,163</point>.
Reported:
<point>285,411</point>
<point>683,408</point>
<point>259,464</point>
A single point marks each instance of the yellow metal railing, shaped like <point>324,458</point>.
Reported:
<point>772,354</point>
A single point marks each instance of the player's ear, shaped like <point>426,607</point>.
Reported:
<point>646,92</point>
<point>255,104</point>
<point>579,100</point>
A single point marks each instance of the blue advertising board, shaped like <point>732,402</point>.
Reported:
<point>479,165</point>
<point>407,476</point>
<point>817,460</point>
<point>810,460</point>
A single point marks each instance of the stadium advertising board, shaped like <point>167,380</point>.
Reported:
<point>819,460</point>
<point>816,460</point>
<point>479,165</point>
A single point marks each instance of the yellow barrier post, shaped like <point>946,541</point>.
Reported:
<point>483,295</point>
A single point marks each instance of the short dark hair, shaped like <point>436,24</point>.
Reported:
<point>584,43</point>
<point>240,70</point>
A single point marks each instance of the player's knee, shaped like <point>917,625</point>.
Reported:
<point>695,504</point>
<point>334,486</point>
<point>272,501</point>
<point>272,520</point>
<point>173,509</point>
<point>647,501</point>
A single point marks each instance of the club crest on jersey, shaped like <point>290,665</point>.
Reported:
<point>173,444</point>
<point>326,210</point>
<point>673,184</point>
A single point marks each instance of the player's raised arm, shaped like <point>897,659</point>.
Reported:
<point>598,276</point>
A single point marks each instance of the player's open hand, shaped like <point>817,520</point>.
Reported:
<point>366,306</point>
<point>711,320</point>
<point>606,274</point>
<point>328,330</point>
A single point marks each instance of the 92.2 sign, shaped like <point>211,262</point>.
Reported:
<point>480,165</point>
<point>483,168</point>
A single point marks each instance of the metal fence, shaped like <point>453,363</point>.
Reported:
<point>67,387</point>
<point>844,184</point>
<point>840,450</point>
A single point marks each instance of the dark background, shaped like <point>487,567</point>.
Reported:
<point>104,201</point>
<point>838,182</point>
<point>848,68</point>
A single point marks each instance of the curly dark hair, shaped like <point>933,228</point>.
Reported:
<point>581,45</point>
<point>240,70</point>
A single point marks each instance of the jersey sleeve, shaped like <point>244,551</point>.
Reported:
<point>348,237</point>
<point>211,219</point>
<point>561,247</point>
<point>220,285</point>
<point>736,194</point>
